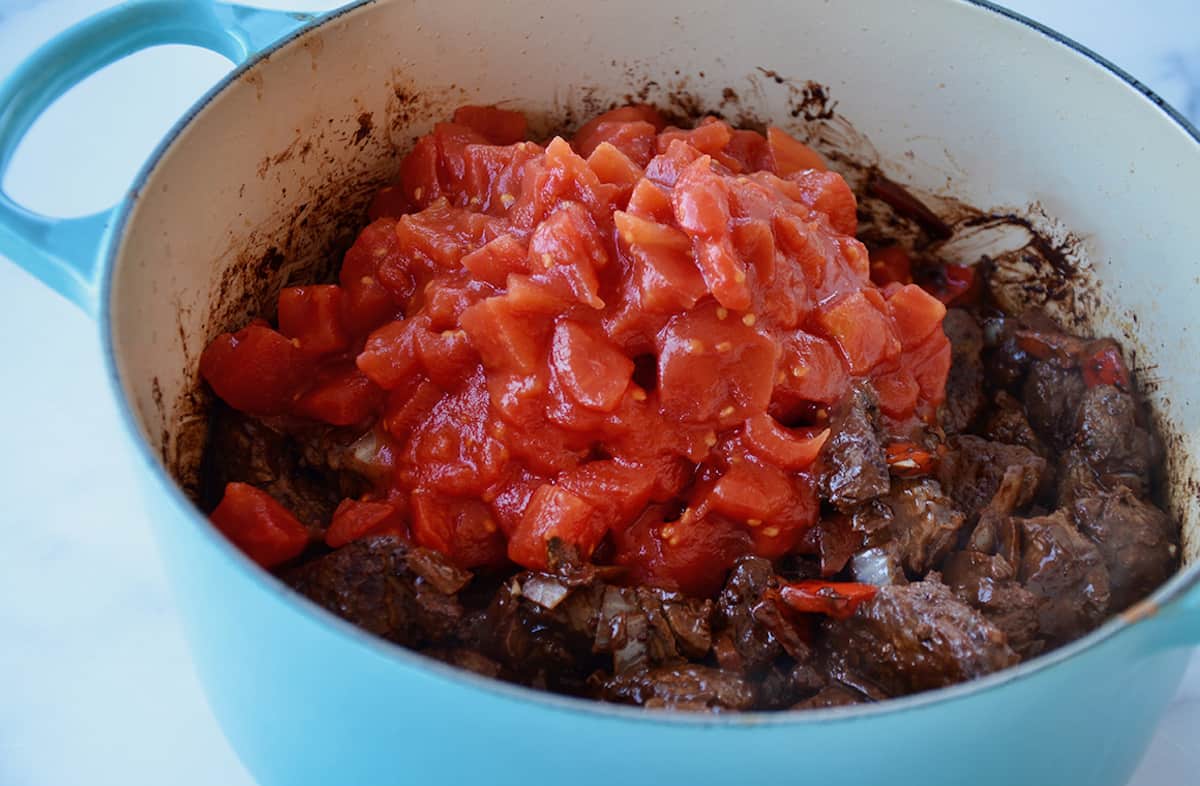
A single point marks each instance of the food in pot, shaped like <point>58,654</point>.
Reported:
<point>635,416</point>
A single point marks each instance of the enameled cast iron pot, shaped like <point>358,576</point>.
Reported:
<point>269,172</point>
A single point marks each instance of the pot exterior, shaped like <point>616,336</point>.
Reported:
<point>304,703</point>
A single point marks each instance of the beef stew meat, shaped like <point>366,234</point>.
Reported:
<point>855,519</point>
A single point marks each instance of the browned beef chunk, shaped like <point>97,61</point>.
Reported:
<point>912,638</point>
<point>1109,439</point>
<point>973,467</point>
<point>382,585</point>
<point>855,466</point>
<point>543,638</point>
<point>1076,478</point>
<point>1052,395</point>
<point>1139,543</point>
<point>831,696</point>
<point>987,582</point>
<point>644,626</point>
<point>996,531</point>
<point>924,523</point>
<point>686,687</point>
<point>757,630</point>
<point>785,684</point>
<point>964,387</point>
<point>1066,571</point>
<point>1006,422</point>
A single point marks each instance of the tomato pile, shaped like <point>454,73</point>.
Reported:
<point>630,341</point>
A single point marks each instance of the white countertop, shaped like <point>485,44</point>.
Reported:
<point>96,686</point>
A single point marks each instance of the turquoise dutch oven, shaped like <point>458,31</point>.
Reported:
<point>271,169</point>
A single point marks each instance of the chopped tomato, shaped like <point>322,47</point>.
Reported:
<point>907,459</point>
<point>790,155</point>
<point>498,126</point>
<point>891,265</point>
<point>255,370</point>
<point>1102,364</point>
<point>353,520</point>
<point>342,396</point>
<point>312,317</point>
<point>861,330</point>
<point>462,529</point>
<point>266,531</point>
<point>783,446</point>
<point>954,284</point>
<point>555,512</point>
<point>629,342</point>
<point>837,599</point>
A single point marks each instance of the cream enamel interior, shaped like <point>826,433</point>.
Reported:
<point>954,99</point>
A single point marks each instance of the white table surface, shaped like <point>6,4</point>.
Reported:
<point>96,686</point>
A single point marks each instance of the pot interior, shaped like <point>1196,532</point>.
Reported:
<point>268,183</point>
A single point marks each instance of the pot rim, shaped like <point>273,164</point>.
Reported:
<point>1173,590</point>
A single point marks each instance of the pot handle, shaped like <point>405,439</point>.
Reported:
<point>65,253</point>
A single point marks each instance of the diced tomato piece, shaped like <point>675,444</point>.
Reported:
<point>782,446</point>
<point>810,370</point>
<point>501,336</point>
<point>353,520</point>
<point>368,303</point>
<point>618,492</point>
<point>263,529</point>
<point>613,166</point>
<point>898,392</point>
<point>419,174</point>
<point>667,279</point>
<point>1102,364</point>
<point>790,155</point>
<point>530,295</point>
<point>750,150</point>
<point>714,370</point>
<point>830,194</point>
<point>634,139</point>
<point>495,260</point>
<point>907,459</point>
<point>930,366</point>
<point>448,356</point>
<point>954,284</point>
<point>701,200</point>
<point>409,405</point>
<point>710,137</point>
<point>555,512</point>
<point>862,331</point>
<point>453,139</point>
<point>916,313</point>
<point>749,492</point>
<point>664,168</point>
<point>389,357</point>
<point>591,369</point>
<point>462,529</point>
<point>498,126</point>
<point>891,265</point>
<point>256,370</point>
<point>650,201</point>
<point>388,202</point>
<point>312,316</point>
<point>599,128</point>
<point>837,599</point>
<point>342,396</point>
<point>568,246</point>
<point>692,557</point>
